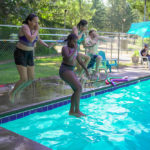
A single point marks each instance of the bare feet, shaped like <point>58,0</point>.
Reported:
<point>75,114</point>
<point>82,114</point>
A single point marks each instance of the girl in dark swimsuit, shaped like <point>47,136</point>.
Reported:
<point>23,55</point>
<point>66,72</point>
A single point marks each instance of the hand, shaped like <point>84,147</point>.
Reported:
<point>51,45</point>
<point>37,27</point>
<point>94,42</point>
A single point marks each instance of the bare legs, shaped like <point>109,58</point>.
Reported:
<point>71,78</point>
<point>86,59</point>
<point>98,59</point>
<point>26,76</point>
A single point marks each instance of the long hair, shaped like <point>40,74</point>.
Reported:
<point>82,23</point>
<point>29,18</point>
<point>70,38</point>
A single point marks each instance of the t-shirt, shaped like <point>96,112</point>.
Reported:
<point>92,50</point>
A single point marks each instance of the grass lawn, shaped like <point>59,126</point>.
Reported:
<point>44,67</point>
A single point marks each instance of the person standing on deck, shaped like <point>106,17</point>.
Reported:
<point>23,55</point>
<point>91,45</point>
<point>79,31</point>
<point>70,57</point>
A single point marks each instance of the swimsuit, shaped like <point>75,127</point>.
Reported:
<point>92,61</point>
<point>79,41</point>
<point>65,67</point>
<point>25,57</point>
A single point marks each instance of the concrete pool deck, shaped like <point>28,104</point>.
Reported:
<point>12,141</point>
<point>51,88</point>
<point>44,90</point>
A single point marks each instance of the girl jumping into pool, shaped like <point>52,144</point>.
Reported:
<point>66,72</point>
<point>79,31</point>
<point>23,55</point>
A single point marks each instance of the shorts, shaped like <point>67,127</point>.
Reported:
<point>65,67</point>
<point>92,61</point>
<point>23,58</point>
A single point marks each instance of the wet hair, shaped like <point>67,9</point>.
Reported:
<point>69,39</point>
<point>91,31</point>
<point>82,23</point>
<point>29,18</point>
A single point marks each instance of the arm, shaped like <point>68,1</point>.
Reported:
<point>75,31</point>
<point>89,43</point>
<point>103,39</point>
<point>43,43</point>
<point>66,55</point>
<point>27,33</point>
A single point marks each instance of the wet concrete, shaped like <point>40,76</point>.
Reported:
<point>12,141</point>
<point>38,91</point>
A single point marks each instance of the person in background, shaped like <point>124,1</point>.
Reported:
<point>23,55</point>
<point>70,55</point>
<point>79,31</point>
<point>144,52</point>
<point>91,45</point>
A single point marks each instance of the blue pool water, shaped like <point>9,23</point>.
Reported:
<point>118,120</point>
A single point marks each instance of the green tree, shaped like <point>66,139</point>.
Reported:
<point>99,18</point>
<point>139,5</point>
<point>120,15</point>
<point>116,16</point>
<point>51,12</point>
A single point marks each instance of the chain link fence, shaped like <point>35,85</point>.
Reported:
<point>115,45</point>
<point>9,37</point>
<point>120,45</point>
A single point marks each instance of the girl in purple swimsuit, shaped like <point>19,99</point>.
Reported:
<point>66,72</point>
<point>23,55</point>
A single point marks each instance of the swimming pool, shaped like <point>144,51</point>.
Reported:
<point>118,120</point>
